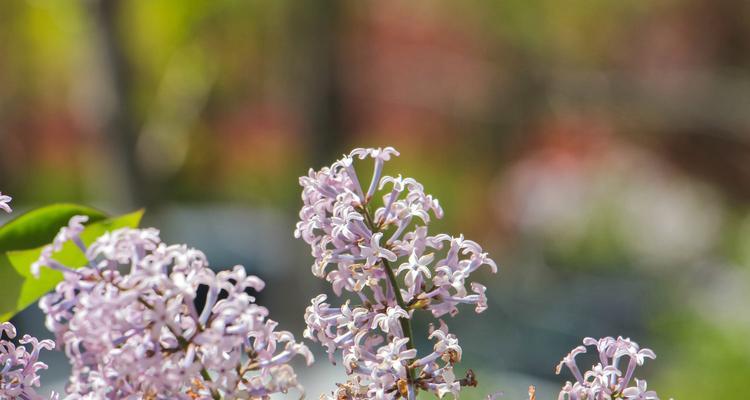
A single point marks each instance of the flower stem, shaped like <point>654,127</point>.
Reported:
<point>206,377</point>
<point>404,322</point>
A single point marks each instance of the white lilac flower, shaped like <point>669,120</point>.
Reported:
<point>19,367</point>
<point>639,392</point>
<point>373,252</point>
<point>570,362</point>
<point>129,323</point>
<point>605,380</point>
<point>394,357</point>
<point>417,269</point>
<point>446,348</point>
<point>374,243</point>
<point>4,200</point>
<point>389,321</point>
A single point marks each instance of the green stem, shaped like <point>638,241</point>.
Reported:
<point>206,377</point>
<point>405,322</point>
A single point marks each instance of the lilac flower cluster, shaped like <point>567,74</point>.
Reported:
<point>130,323</point>
<point>18,376</point>
<point>383,254</point>
<point>4,200</point>
<point>605,380</point>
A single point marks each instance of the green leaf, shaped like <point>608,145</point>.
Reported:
<point>21,289</point>
<point>38,227</point>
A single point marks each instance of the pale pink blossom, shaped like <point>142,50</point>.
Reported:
<point>4,203</point>
<point>19,367</point>
<point>128,322</point>
<point>383,255</point>
<point>639,392</point>
<point>605,380</point>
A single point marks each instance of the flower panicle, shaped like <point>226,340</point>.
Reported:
<point>374,243</point>
<point>20,365</point>
<point>130,323</point>
<point>605,379</point>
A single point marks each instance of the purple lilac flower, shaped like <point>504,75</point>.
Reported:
<point>4,200</point>
<point>129,323</point>
<point>374,243</point>
<point>605,380</point>
<point>19,366</point>
<point>639,392</point>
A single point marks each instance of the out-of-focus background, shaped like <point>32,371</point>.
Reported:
<point>598,149</point>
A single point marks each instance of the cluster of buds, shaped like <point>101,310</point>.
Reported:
<point>131,323</point>
<point>605,380</point>
<point>18,376</point>
<point>382,253</point>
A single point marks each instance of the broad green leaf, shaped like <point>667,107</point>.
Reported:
<point>38,227</point>
<point>21,289</point>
